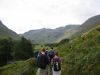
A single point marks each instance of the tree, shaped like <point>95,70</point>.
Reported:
<point>24,49</point>
<point>5,51</point>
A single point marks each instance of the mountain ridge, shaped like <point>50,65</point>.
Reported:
<point>47,35</point>
<point>87,25</point>
<point>56,35</point>
<point>5,32</point>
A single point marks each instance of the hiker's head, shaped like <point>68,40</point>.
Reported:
<point>56,53</point>
<point>43,50</point>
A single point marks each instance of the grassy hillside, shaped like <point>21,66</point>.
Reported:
<point>5,32</point>
<point>19,68</point>
<point>82,55</point>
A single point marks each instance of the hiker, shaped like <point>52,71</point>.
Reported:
<point>56,64</point>
<point>48,66</point>
<point>42,62</point>
<point>51,53</point>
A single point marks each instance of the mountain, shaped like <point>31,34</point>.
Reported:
<point>87,25</point>
<point>58,34</point>
<point>48,35</point>
<point>6,32</point>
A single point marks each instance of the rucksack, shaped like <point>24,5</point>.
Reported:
<point>51,54</point>
<point>42,61</point>
<point>56,64</point>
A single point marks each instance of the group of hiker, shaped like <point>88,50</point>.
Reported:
<point>48,62</point>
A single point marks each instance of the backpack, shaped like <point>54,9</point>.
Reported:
<point>56,64</point>
<point>42,61</point>
<point>51,54</point>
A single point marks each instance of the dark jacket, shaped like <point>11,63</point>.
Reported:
<point>42,61</point>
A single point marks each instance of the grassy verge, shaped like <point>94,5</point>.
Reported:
<point>19,68</point>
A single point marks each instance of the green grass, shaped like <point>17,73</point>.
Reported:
<point>82,55</point>
<point>19,68</point>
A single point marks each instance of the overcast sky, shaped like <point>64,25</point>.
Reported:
<point>24,15</point>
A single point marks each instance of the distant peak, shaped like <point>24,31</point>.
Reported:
<point>0,21</point>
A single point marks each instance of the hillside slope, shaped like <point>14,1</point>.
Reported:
<point>87,25</point>
<point>82,54</point>
<point>48,35</point>
<point>5,32</point>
